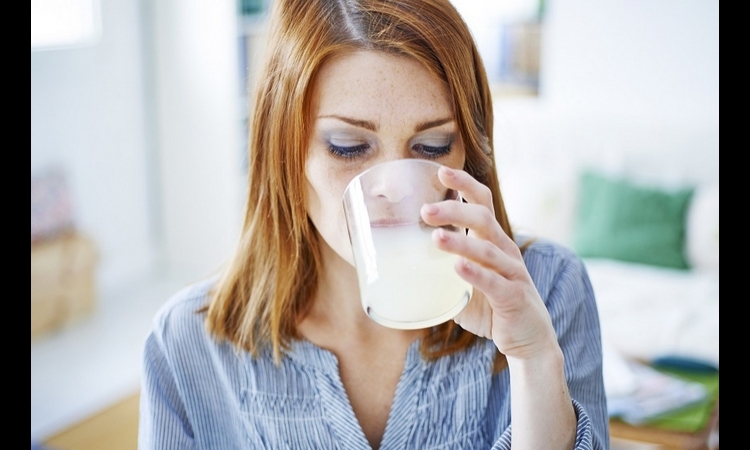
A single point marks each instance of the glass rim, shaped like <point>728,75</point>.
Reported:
<point>392,161</point>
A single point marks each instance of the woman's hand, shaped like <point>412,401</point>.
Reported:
<point>505,305</point>
<point>507,308</point>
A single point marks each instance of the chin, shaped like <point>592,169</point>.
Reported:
<point>339,249</point>
<point>346,254</point>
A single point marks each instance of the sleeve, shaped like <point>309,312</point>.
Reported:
<point>584,435</point>
<point>163,422</point>
<point>570,301</point>
<point>572,306</point>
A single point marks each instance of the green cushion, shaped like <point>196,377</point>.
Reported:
<point>619,219</point>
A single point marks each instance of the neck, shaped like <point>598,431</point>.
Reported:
<point>337,300</point>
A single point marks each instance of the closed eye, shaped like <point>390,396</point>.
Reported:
<point>432,152</point>
<point>348,152</point>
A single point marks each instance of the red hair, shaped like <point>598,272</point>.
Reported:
<point>271,281</point>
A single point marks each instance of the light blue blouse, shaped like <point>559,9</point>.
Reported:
<point>201,394</point>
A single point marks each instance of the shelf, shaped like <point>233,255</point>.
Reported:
<point>95,361</point>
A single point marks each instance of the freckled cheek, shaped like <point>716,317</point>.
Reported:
<point>325,189</point>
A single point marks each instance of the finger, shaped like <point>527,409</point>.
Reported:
<point>476,218</point>
<point>463,215</point>
<point>479,251</point>
<point>482,278</point>
<point>469,187</point>
<point>477,193</point>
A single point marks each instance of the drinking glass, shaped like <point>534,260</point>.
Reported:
<point>405,281</point>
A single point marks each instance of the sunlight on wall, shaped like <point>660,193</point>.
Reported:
<point>64,23</point>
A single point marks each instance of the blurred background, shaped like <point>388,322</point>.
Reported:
<point>138,141</point>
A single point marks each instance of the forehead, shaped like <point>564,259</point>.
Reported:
<point>372,85</point>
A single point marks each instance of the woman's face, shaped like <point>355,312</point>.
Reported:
<point>370,107</point>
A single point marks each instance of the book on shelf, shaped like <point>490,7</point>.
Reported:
<point>680,399</point>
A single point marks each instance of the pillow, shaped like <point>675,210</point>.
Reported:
<point>622,220</point>
<point>703,229</point>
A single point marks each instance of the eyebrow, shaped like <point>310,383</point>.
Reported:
<point>373,127</point>
<point>432,124</point>
<point>357,123</point>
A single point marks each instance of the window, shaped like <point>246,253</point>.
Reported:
<point>64,23</point>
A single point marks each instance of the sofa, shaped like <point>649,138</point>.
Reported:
<point>638,199</point>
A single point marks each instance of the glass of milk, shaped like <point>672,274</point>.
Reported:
<point>405,281</point>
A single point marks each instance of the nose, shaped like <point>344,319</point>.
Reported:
<point>392,182</point>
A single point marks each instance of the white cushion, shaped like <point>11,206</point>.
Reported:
<point>647,311</point>
<point>702,229</point>
<point>540,202</point>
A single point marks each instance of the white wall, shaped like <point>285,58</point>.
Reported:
<point>627,86</point>
<point>88,115</point>
<point>147,122</point>
<point>198,107</point>
<point>634,58</point>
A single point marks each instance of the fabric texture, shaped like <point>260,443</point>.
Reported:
<point>202,394</point>
<point>703,229</point>
<point>622,220</point>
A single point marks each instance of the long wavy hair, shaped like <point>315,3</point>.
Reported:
<point>271,281</point>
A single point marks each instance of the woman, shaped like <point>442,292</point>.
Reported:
<point>277,351</point>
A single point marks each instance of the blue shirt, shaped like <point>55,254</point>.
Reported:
<point>202,394</point>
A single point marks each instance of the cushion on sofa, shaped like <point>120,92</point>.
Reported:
<point>703,229</point>
<point>647,311</point>
<point>624,220</point>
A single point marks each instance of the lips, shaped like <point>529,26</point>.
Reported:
<point>394,222</point>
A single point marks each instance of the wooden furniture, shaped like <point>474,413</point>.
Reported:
<point>705,439</point>
<point>63,280</point>
<point>115,428</point>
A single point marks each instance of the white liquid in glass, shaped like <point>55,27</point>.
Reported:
<point>413,283</point>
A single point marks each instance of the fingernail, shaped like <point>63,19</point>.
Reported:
<point>430,208</point>
<point>449,172</point>
<point>442,235</point>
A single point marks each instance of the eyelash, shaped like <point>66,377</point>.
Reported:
<point>356,151</point>
<point>349,152</point>
<point>432,152</point>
